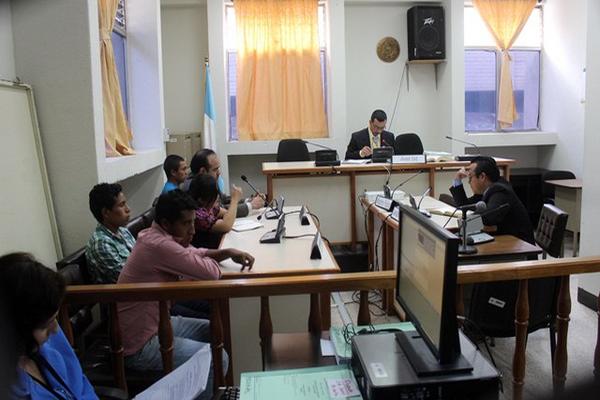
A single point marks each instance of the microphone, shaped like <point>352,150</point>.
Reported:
<point>319,145</point>
<point>478,207</point>
<point>405,181</point>
<point>425,193</point>
<point>465,157</point>
<point>245,179</point>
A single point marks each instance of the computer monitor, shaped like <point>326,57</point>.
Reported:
<point>426,290</point>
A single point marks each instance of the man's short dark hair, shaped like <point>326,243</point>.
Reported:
<point>487,165</point>
<point>172,164</point>
<point>204,189</point>
<point>31,294</point>
<point>170,205</point>
<point>200,160</point>
<point>103,195</point>
<point>379,115</point>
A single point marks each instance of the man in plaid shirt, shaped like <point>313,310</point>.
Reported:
<point>111,243</point>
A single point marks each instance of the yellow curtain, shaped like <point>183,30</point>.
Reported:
<point>505,20</point>
<point>117,135</point>
<point>279,92</point>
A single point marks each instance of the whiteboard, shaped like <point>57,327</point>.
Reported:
<point>27,221</point>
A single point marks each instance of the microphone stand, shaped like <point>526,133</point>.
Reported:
<point>465,157</point>
<point>464,248</point>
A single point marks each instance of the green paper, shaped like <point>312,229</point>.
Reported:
<point>293,384</point>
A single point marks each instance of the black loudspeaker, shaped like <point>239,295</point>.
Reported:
<point>426,33</point>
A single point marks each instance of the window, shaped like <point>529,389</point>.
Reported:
<point>230,48</point>
<point>119,42</point>
<point>482,74</point>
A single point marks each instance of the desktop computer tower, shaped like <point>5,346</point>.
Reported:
<point>383,372</point>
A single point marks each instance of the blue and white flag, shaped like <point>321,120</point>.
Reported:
<point>209,136</point>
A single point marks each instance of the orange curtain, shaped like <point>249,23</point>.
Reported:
<point>279,88</point>
<point>117,135</point>
<point>505,19</point>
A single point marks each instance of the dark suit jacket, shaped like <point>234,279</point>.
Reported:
<point>361,139</point>
<point>513,220</point>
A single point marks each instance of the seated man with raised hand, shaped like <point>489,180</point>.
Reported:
<point>373,136</point>
<point>489,187</point>
<point>175,168</point>
<point>206,161</point>
<point>111,243</point>
<point>163,254</point>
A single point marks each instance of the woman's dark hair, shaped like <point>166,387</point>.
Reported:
<point>31,294</point>
<point>204,189</point>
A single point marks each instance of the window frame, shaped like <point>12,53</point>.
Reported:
<point>498,52</point>
<point>120,29</point>
<point>228,51</point>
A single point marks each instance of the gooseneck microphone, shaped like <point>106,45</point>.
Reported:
<point>478,207</point>
<point>319,145</point>
<point>245,179</point>
<point>469,157</point>
<point>405,181</point>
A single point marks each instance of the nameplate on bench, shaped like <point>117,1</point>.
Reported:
<point>385,203</point>
<point>408,159</point>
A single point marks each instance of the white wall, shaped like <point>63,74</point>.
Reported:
<point>183,65</point>
<point>590,225</point>
<point>7,56</point>
<point>57,52</point>
<point>563,60</point>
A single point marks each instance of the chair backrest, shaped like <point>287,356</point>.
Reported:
<point>448,199</point>
<point>77,258</point>
<point>80,315</point>
<point>408,143</point>
<point>547,189</point>
<point>292,150</point>
<point>551,230</point>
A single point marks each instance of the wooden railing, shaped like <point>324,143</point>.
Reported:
<point>218,292</point>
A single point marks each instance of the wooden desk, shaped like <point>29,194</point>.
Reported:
<point>567,197</point>
<point>331,192</point>
<point>289,258</point>
<point>503,248</point>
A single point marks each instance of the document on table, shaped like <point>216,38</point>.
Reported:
<point>331,382</point>
<point>185,382</point>
<point>242,225</point>
<point>361,161</point>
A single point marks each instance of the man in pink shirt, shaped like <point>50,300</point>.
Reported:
<point>163,253</point>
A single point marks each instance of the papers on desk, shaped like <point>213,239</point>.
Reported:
<point>242,225</point>
<point>446,211</point>
<point>332,382</point>
<point>357,162</point>
<point>185,383</point>
<point>438,156</point>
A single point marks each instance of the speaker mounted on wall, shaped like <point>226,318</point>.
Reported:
<point>426,33</point>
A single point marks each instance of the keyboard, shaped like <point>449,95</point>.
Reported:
<point>228,393</point>
<point>478,238</point>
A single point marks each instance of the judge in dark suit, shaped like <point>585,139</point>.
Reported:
<point>374,135</point>
<point>487,186</point>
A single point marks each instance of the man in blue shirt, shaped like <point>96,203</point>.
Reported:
<point>175,168</point>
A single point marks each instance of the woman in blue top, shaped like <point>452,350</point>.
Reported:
<point>47,367</point>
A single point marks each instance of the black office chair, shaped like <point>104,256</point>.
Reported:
<point>408,143</point>
<point>292,150</point>
<point>547,189</point>
<point>492,306</point>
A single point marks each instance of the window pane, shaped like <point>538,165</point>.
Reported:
<point>480,90</point>
<point>525,69</point>
<point>477,33</point>
<point>231,92</point>
<point>119,46</point>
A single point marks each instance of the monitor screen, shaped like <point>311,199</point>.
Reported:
<point>426,281</point>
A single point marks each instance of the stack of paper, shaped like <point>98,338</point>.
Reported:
<point>242,225</point>
<point>439,156</point>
